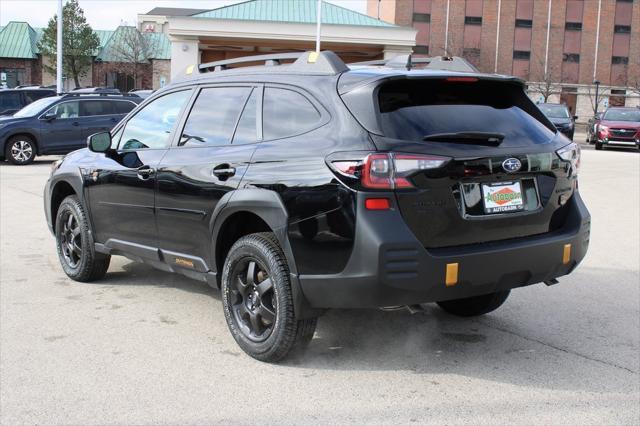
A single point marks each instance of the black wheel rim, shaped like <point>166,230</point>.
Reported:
<point>70,239</point>
<point>21,151</point>
<point>253,303</point>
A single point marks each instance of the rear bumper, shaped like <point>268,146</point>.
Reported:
<point>389,266</point>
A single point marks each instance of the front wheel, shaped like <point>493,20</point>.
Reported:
<point>20,150</point>
<point>474,306</point>
<point>74,241</point>
<point>258,302</point>
<point>598,146</point>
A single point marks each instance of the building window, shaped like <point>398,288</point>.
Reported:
<point>618,60</point>
<point>622,29</point>
<point>573,26</point>
<point>421,17</point>
<point>421,50</point>
<point>521,54</point>
<point>473,20</point>
<point>524,23</point>
<point>571,57</point>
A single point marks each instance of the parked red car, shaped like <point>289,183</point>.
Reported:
<point>619,127</point>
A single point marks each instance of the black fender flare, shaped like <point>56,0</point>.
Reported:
<point>71,176</point>
<point>268,206</point>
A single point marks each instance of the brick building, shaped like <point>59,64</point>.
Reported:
<point>22,64</point>
<point>560,47</point>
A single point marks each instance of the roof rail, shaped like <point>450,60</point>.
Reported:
<point>105,94</point>
<point>325,62</point>
<point>448,63</point>
<point>268,60</point>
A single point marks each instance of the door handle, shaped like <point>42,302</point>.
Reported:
<point>224,171</point>
<point>145,172</point>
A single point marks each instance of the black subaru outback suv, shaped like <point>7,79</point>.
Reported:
<point>313,185</point>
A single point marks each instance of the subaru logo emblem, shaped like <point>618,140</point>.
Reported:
<point>511,165</point>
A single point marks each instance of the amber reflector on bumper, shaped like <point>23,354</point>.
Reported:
<point>451,274</point>
<point>566,255</point>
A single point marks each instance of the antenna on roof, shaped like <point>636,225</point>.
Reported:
<point>318,25</point>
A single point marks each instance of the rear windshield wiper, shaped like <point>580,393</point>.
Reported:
<point>481,138</point>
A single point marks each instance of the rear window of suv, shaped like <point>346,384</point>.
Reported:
<point>416,109</point>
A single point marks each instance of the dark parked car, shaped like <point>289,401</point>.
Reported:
<point>559,115</point>
<point>592,128</point>
<point>60,124</point>
<point>13,100</point>
<point>619,127</point>
<point>296,188</point>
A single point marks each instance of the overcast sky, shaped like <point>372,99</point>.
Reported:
<point>107,14</point>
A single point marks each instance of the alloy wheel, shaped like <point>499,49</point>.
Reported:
<point>71,240</point>
<point>21,151</point>
<point>253,301</point>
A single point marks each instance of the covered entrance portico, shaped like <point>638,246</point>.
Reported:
<point>197,40</point>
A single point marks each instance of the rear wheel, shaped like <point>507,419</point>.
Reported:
<point>258,302</point>
<point>474,306</point>
<point>20,150</point>
<point>74,241</point>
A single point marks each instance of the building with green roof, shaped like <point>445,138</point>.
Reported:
<point>22,64</point>
<point>273,26</point>
<point>181,37</point>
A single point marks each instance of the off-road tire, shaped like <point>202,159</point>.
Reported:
<point>25,150</point>
<point>287,332</point>
<point>89,265</point>
<point>474,306</point>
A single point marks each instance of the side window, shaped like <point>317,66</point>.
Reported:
<point>66,110</point>
<point>123,107</point>
<point>247,131</point>
<point>37,94</point>
<point>93,107</point>
<point>151,127</point>
<point>287,113</point>
<point>9,101</point>
<point>214,115</point>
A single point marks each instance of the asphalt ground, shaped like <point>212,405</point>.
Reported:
<point>147,347</point>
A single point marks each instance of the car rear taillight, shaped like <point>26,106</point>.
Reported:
<point>388,170</point>
<point>571,154</point>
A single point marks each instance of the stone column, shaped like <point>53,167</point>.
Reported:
<point>392,51</point>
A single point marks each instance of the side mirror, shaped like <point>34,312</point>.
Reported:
<point>99,142</point>
<point>49,115</point>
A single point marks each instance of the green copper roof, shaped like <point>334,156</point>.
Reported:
<point>18,40</point>
<point>296,11</point>
<point>159,45</point>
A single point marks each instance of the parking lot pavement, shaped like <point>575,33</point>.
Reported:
<point>143,346</point>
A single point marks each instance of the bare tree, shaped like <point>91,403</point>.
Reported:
<point>548,84</point>
<point>131,52</point>
<point>596,92</point>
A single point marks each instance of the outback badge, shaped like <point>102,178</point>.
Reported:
<point>511,165</point>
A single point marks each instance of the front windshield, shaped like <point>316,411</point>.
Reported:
<point>554,111</point>
<point>36,107</point>
<point>622,115</point>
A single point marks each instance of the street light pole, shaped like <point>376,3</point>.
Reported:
<point>597,83</point>
<point>59,50</point>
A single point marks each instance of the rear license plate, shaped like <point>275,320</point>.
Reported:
<point>502,197</point>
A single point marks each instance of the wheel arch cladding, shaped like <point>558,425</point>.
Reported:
<point>61,190</point>
<point>264,208</point>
